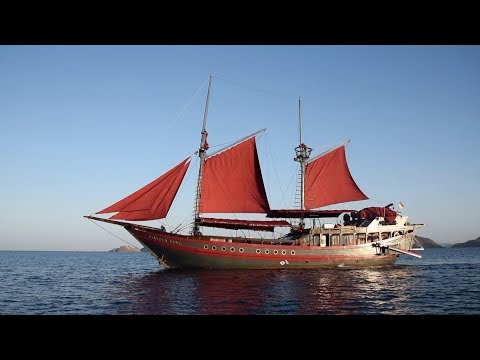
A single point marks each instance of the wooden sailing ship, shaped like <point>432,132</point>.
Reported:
<point>230,182</point>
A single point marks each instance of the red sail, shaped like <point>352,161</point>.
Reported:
<point>153,200</point>
<point>328,180</point>
<point>232,181</point>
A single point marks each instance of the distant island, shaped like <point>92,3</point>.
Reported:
<point>427,243</point>
<point>125,248</point>
<point>469,243</point>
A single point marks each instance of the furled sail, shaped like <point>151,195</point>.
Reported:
<point>372,212</point>
<point>328,180</point>
<point>153,200</point>
<point>314,214</point>
<point>235,224</point>
<point>232,181</point>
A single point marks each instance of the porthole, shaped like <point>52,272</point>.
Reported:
<point>267,251</point>
<point>240,250</point>
<point>257,251</point>
<point>292,252</point>
<point>275,252</point>
<point>224,248</point>
<point>283,252</point>
<point>205,247</point>
<point>232,249</point>
<point>214,247</point>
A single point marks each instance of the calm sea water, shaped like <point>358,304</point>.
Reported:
<point>445,281</point>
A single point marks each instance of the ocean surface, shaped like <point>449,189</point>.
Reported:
<point>444,281</point>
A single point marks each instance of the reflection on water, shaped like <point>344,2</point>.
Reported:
<point>446,281</point>
<point>375,290</point>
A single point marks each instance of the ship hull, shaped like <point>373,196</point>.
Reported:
<point>183,251</point>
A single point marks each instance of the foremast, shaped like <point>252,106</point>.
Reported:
<point>302,152</point>
<point>201,154</point>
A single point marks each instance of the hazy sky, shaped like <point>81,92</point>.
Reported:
<point>83,126</point>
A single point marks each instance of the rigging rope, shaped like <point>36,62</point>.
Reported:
<point>118,237</point>
<point>252,88</point>
<point>185,108</point>
<point>267,144</point>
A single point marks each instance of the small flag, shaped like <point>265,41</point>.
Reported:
<point>400,205</point>
<point>206,146</point>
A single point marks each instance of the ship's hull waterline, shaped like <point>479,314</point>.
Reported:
<point>182,251</point>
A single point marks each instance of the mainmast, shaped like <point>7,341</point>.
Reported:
<point>201,154</point>
<point>303,153</point>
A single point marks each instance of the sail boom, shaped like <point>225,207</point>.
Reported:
<point>235,143</point>
<point>345,142</point>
